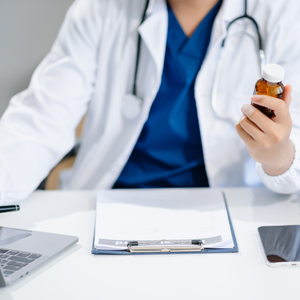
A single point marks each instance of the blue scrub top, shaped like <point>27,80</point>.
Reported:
<point>168,152</point>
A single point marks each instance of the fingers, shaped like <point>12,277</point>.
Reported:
<point>277,105</point>
<point>251,128</point>
<point>258,126</point>
<point>248,140</point>
<point>256,122</point>
<point>280,106</point>
<point>267,139</point>
<point>287,95</point>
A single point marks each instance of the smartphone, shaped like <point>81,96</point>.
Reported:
<point>281,245</point>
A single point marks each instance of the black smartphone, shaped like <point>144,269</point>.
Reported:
<point>281,245</point>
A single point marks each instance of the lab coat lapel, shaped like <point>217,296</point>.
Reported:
<point>218,148</point>
<point>228,12</point>
<point>154,33</point>
<point>232,9</point>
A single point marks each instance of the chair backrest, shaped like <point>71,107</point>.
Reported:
<point>27,31</point>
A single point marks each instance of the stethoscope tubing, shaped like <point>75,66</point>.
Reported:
<point>261,55</point>
<point>139,49</point>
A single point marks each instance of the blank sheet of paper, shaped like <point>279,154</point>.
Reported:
<point>158,214</point>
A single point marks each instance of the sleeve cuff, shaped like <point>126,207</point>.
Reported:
<point>289,181</point>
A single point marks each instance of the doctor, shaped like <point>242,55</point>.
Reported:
<point>152,120</point>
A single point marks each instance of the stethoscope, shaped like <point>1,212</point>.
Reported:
<point>132,104</point>
<point>261,54</point>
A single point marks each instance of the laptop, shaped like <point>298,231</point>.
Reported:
<point>23,251</point>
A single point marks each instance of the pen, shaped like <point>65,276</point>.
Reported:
<point>8,208</point>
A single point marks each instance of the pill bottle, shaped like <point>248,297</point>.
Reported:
<point>271,85</point>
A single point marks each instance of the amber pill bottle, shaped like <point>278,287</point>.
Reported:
<point>270,84</point>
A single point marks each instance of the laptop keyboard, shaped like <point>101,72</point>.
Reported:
<point>12,261</point>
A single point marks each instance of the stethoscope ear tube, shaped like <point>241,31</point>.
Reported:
<point>138,49</point>
<point>216,81</point>
<point>132,104</point>
<point>261,52</point>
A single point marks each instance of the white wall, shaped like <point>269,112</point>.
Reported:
<point>27,30</point>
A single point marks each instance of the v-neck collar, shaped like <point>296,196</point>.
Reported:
<point>177,41</point>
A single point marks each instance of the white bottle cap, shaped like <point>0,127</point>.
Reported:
<point>273,73</point>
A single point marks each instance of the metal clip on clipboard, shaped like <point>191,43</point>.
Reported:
<point>166,246</point>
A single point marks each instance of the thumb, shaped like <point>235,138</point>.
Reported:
<point>287,95</point>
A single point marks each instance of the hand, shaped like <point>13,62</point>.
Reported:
<point>268,140</point>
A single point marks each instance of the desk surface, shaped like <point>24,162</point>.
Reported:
<point>77,274</point>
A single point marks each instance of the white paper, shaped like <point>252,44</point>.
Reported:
<point>161,214</point>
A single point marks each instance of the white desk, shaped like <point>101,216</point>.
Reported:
<point>76,274</point>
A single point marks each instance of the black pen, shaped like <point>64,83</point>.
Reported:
<point>8,208</point>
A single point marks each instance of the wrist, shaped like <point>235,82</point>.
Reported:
<point>280,167</point>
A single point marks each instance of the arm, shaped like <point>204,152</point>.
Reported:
<point>268,140</point>
<point>38,127</point>
<point>274,143</point>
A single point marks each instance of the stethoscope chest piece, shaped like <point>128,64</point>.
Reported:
<point>131,106</point>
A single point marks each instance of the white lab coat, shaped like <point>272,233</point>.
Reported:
<point>90,68</point>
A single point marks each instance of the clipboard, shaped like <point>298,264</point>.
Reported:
<point>170,246</point>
